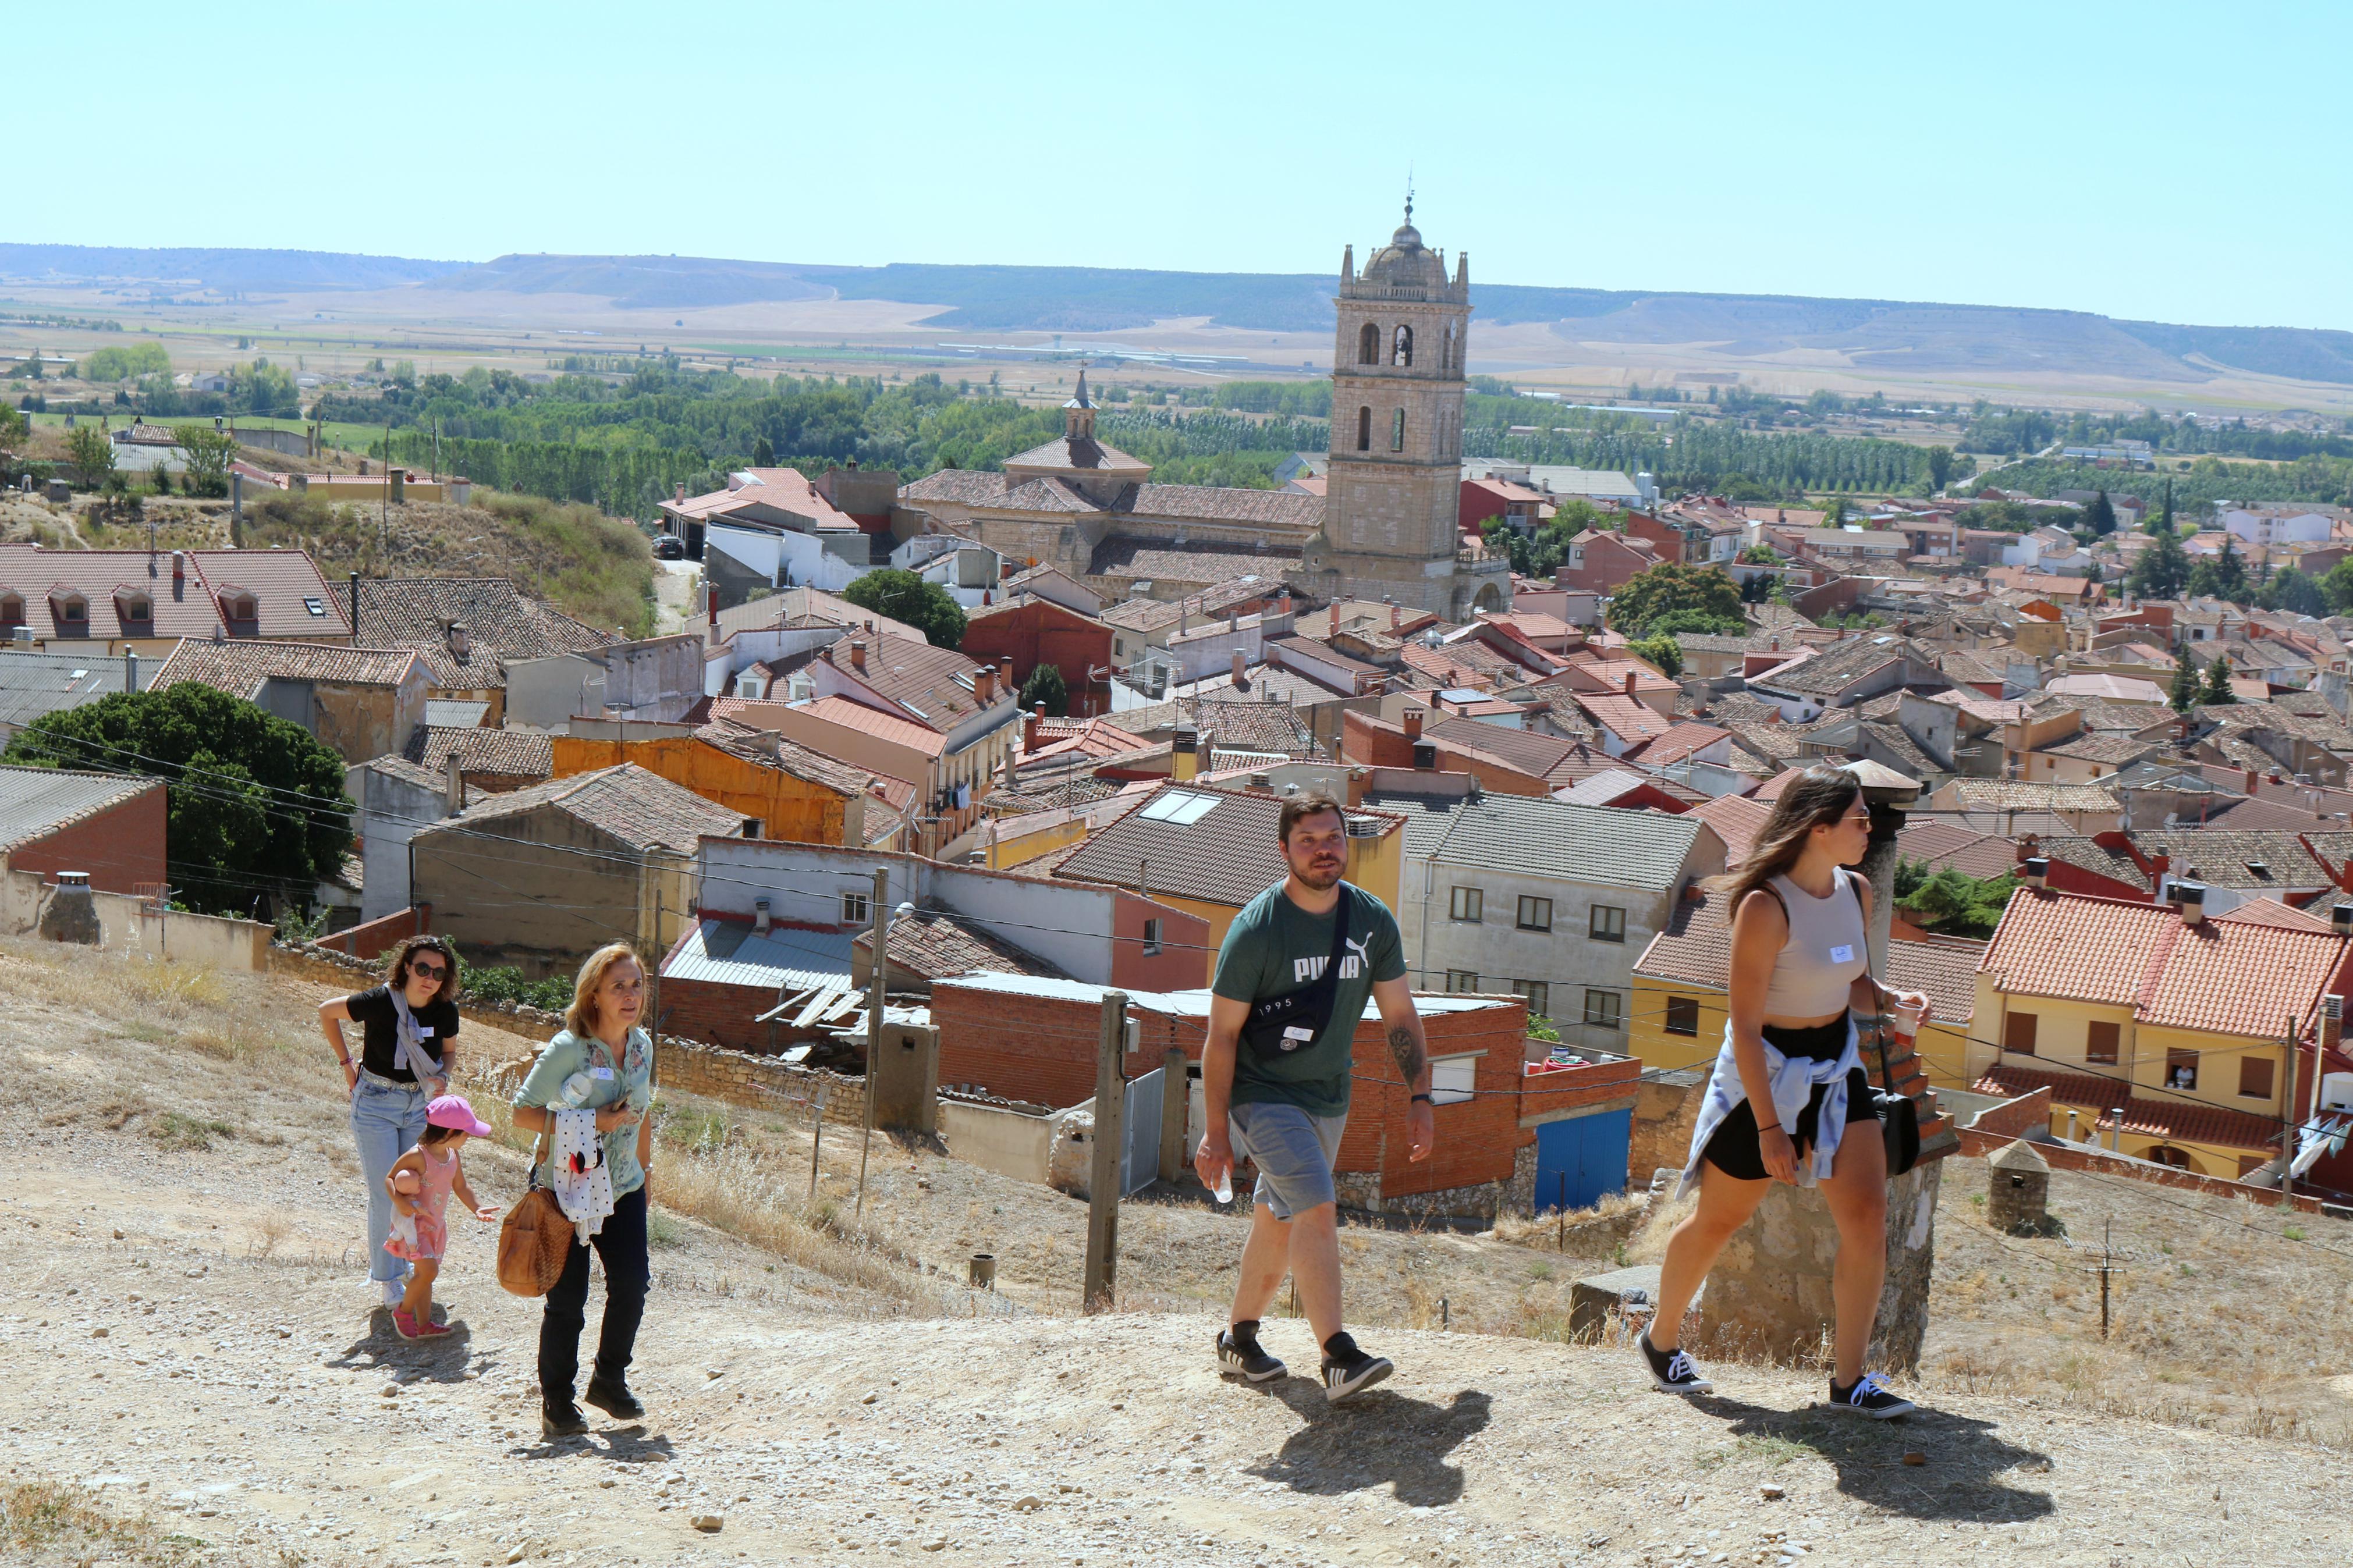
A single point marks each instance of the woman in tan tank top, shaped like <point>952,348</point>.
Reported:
<point>1798,966</point>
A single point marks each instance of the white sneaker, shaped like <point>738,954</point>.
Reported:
<point>393,1290</point>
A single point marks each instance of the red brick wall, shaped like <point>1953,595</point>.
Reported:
<point>1043,1049</point>
<point>1608,566</point>
<point>377,937</point>
<point>121,846</point>
<point>1038,632</point>
<point>2016,1118</point>
<point>1374,743</point>
<point>717,1014</point>
<point>1669,541</point>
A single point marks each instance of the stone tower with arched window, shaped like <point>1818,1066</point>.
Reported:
<point>1392,497</point>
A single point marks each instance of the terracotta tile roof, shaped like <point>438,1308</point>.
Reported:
<point>1624,717</point>
<point>1695,950</point>
<point>2005,794</point>
<point>502,623</point>
<point>625,802</point>
<point>2174,1120</point>
<point>501,753</point>
<point>1245,726</point>
<point>1680,742</point>
<point>839,710</point>
<point>1464,664</point>
<point>1937,844</point>
<point>969,487</point>
<point>2248,859</point>
<point>1535,754</point>
<point>1737,820</point>
<point>284,584</point>
<point>810,604</point>
<point>1084,454</point>
<point>782,489</point>
<point>1207,563</point>
<point>2223,977</point>
<point>2271,912</point>
<point>1222,503</point>
<point>1227,856</point>
<point>240,668</point>
<point>1148,615</point>
<point>937,946</point>
<point>930,685</point>
<point>769,748</point>
<point>2113,749</point>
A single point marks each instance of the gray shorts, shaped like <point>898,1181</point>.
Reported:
<point>1294,1151</point>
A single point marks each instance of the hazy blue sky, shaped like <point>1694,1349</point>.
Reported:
<point>2169,161</point>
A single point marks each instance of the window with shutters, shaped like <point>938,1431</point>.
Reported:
<point>2018,1033</point>
<point>2100,1043</point>
<point>1453,1079</point>
<point>1682,1015</point>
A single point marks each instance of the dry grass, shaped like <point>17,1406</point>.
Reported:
<point>44,1522</point>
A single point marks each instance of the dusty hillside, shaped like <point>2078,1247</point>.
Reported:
<point>195,1378</point>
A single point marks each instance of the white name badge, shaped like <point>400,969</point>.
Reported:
<point>603,1074</point>
<point>1843,955</point>
<point>424,1028</point>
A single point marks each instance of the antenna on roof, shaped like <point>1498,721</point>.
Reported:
<point>1408,194</point>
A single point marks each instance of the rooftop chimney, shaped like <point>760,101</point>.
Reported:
<point>2191,896</point>
<point>1030,722</point>
<point>179,567</point>
<point>1413,722</point>
<point>1358,778</point>
<point>2341,919</point>
<point>1184,756</point>
<point>857,654</point>
<point>682,491</point>
<point>759,916</point>
<point>454,788</point>
<point>1629,683</point>
<point>459,643</point>
<point>1396,619</point>
<point>712,599</point>
<point>1241,664</point>
<point>2332,1021</point>
<point>2037,873</point>
<point>984,683</point>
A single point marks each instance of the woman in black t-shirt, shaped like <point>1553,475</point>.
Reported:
<point>410,1028</point>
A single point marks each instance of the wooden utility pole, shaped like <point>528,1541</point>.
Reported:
<point>1175,1102</point>
<point>2107,1267</point>
<point>1111,1136</point>
<point>880,915</point>
<point>816,1138</point>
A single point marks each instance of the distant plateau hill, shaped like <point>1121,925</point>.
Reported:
<point>1884,334</point>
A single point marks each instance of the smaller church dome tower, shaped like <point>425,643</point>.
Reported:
<point>1079,413</point>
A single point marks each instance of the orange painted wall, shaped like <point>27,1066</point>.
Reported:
<point>792,809</point>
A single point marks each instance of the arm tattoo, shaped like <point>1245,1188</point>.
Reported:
<point>1407,1050</point>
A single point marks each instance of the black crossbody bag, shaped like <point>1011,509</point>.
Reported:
<point>1899,1117</point>
<point>1296,1019</point>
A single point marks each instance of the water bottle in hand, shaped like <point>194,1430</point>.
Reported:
<point>1225,1193</point>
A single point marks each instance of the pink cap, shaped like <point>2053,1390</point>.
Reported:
<point>452,1110</point>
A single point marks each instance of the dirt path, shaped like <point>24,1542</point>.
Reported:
<point>674,605</point>
<point>188,1345</point>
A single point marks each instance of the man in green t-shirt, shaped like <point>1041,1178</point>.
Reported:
<point>1277,1087</point>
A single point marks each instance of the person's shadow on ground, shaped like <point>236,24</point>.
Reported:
<point>630,1444</point>
<point>1961,1479</point>
<point>446,1358</point>
<point>1379,1439</point>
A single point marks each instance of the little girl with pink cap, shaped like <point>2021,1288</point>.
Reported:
<point>420,1182</point>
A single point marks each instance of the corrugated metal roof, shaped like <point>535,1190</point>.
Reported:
<point>452,713</point>
<point>37,801</point>
<point>730,953</point>
<point>1194,1003</point>
<point>33,684</point>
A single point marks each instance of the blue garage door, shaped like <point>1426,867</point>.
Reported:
<point>1582,1161</point>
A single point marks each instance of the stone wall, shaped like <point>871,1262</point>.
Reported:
<point>1666,1112</point>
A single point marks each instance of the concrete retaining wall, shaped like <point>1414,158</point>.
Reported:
<point>131,925</point>
<point>1016,1143</point>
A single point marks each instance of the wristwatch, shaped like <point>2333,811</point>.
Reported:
<point>1426,1101</point>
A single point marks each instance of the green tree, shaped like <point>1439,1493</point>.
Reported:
<point>160,476</point>
<point>2218,692</point>
<point>917,602</point>
<point>1639,607</point>
<point>2100,517</point>
<point>764,455</point>
<point>1940,467</point>
<point>2161,571</point>
<point>2294,591</point>
<point>2338,586</point>
<point>1046,685</point>
<point>2223,577</point>
<point>1661,653</point>
<point>210,452</point>
<point>91,453</point>
<point>2183,695</point>
<point>127,363</point>
<point>15,431</point>
<point>1952,903</point>
<point>1834,514</point>
<point>256,804</point>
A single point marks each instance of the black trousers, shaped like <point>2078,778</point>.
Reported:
<point>622,1245</point>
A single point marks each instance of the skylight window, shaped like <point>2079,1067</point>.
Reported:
<point>1179,808</point>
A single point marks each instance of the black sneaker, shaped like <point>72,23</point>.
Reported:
<point>1347,1371</point>
<point>612,1396</point>
<point>1672,1371</point>
<point>563,1420</point>
<point>1868,1396</point>
<point>1240,1356</point>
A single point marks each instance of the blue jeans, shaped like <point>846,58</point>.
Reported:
<point>386,1121</point>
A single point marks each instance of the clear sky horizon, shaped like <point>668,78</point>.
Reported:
<point>2159,161</point>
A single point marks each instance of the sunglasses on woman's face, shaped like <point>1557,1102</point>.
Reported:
<point>428,971</point>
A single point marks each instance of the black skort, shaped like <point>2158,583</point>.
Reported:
<point>1732,1148</point>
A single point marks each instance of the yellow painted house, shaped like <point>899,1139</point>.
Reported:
<point>792,791</point>
<point>1679,989</point>
<point>2162,1033</point>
